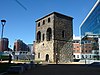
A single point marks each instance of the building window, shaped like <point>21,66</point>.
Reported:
<point>63,34</point>
<point>77,56</point>
<point>43,37</point>
<point>77,41</point>
<point>38,55</point>
<point>90,56</point>
<point>89,47</point>
<point>38,36</point>
<point>49,34</point>
<point>39,24</point>
<point>85,56</point>
<point>90,51</point>
<point>77,46</point>
<point>82,56</point>
<point>74,56</point>
<point>48,20</point>
<point>86,51</point>
<point>43,22</point>
<point>82,51</point>
<point>78,51</point>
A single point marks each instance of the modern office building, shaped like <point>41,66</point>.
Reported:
<point>91,24</point>
<point>90,33</point>
<point>54,33</point>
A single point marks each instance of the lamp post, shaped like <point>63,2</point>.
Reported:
<point>3,22</point>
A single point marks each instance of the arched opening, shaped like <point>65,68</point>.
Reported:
<point>43,22</point>
<point>38,36</point>
<point>47,57</point>
<point>49,34</point>
<point>38,55</point>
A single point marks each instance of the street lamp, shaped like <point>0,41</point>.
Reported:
<point>3,22</point>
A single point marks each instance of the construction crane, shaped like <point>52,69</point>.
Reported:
<point>21,4</point>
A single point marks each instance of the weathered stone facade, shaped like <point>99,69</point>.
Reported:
<point>54,34</point>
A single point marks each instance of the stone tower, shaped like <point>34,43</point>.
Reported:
<point>54,34</point>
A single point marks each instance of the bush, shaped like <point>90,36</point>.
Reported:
<point>4,57</point>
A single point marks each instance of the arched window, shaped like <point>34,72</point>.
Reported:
<point>43,37</point>
<point>38,36</point>
<point>49,34</point>
<point>43,22</point>
<point>38,55</point>
<point>63,34</point>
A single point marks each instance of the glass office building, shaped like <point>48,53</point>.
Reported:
<point>90,32</point>
<point>91,23</point>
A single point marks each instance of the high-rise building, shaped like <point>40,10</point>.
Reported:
<point>90,33</point>
<point>91,24</point>
<point>4,42</point>
<point>54,33</point>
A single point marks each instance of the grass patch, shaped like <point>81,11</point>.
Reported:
<point>38,61</point>
<point>22,60</point>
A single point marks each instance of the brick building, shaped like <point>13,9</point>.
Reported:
<point>76,47</point>
<point>54,33</point>
<point>90,46</point>
<point>4,42</point>
<point>19,45</point>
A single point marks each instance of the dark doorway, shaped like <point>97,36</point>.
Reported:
<point>47,57</point>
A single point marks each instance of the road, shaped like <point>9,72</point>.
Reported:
<point>62,69</point>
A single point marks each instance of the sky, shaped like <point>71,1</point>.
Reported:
<point>22,14</point>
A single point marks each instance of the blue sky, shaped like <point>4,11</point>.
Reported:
<point>21,20</point>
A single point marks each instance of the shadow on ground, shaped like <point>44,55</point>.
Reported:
<point>62,69</point>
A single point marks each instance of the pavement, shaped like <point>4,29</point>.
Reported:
<point>45,63</point>
<point>63,69</point>
<point>71,68</point>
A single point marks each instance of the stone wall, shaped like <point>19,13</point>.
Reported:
<point>63,44</point>
<point>57,47</point>
<point>44,48</point>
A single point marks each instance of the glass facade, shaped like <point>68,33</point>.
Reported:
<point>92,23</point>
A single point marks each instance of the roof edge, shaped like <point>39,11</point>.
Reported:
<point>95,5</point>
<point>54,13</point>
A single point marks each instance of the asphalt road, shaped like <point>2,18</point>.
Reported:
<point>62,69</point>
